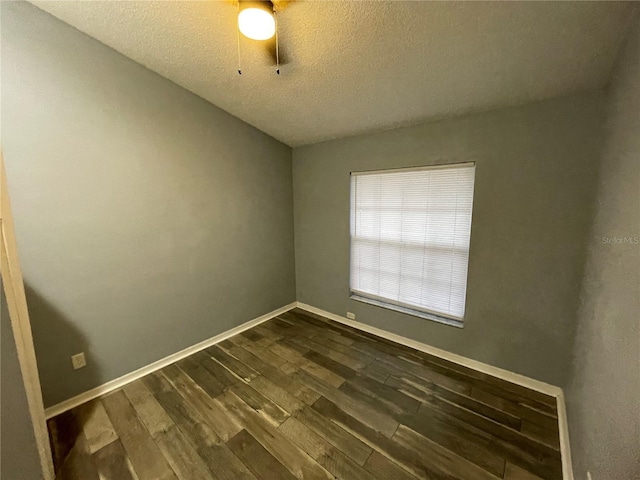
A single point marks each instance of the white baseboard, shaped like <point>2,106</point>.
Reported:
<point>511,377</point>
<point>141,372</point>
<point>542,387</point>
<point>506,375</point>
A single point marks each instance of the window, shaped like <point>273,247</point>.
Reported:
<point>410,232</point>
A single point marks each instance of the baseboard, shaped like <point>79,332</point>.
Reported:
<point>542,387</point>
<point>141,372</point>
<point>516,378</point>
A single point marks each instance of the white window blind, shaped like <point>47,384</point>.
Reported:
<point>410,233</point>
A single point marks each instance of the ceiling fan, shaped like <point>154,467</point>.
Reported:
<point>257,20</point>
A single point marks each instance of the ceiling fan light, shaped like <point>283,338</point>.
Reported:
<point>256,23</point>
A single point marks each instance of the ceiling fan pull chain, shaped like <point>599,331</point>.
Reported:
<point>238,35</point>
<point>275,17</point>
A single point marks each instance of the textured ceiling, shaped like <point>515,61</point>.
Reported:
<point>363,66</point>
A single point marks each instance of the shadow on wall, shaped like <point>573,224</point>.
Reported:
<point>54,333</point>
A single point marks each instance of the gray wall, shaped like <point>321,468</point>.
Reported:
<point>536,170</point>
<point>603,396</point>
<point>19,459</point>
<point>147,219</point>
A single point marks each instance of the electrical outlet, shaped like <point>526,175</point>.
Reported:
<point>78,361</point>
<point>350,315</point>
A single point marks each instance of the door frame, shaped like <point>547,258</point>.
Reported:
<point>21,326</point>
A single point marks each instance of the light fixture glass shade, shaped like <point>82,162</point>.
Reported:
<point>256,23</point>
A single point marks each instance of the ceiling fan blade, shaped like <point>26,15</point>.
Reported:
<point>280,5</point>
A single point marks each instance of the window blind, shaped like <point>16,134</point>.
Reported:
<point>410,233</point>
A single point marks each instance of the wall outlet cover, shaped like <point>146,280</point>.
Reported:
<point>78,361</point>
<point>351,316</point>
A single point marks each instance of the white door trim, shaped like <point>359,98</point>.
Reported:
<point>21,326</point>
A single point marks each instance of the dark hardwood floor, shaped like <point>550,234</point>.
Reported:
<point>304,397</point>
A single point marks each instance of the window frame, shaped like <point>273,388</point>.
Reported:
<point>390,304</point>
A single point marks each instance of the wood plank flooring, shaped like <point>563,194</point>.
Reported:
<point>303,397</point>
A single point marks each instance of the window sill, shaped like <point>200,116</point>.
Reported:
<point>408,311</point>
